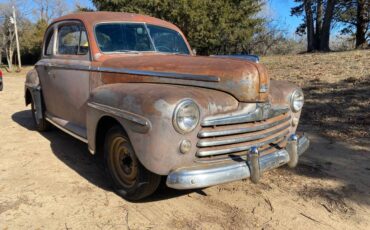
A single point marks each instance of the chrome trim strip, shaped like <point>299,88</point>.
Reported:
<point>180,76</point>
<point>120,113</point>
<point>66,130</point>
<point>205,153</point>
<point>204,134</point>
<point>231,140</point>
<point>262,112</point>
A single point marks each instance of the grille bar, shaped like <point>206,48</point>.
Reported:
<point>219,150</point>
<point>243,137</point>
<point>263,112</point>
<point>239,129</point>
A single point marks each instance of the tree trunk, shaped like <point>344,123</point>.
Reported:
<point>9,58</point>
<point>326,27</point>
<point>310,26</point>
<point>361,24</point>
<point>319,18</point>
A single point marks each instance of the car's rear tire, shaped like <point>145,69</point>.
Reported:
<point>41,124</point>
<point>130,179</point>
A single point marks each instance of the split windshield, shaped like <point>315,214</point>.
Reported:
<point>138,37</point>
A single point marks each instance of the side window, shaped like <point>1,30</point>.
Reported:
<point>49,43</point>
<point>72,40</point>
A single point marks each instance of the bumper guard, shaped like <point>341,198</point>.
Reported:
<point>204,175</point>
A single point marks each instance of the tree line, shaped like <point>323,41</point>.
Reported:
<point>319,15</point>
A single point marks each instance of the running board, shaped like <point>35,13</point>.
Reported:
<point>74,130</point>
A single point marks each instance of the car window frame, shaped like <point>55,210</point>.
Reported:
<point>57,55</point>
<point>49,32</point>
<point>137,22</point>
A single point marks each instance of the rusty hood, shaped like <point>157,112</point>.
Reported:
<point>245,80</point>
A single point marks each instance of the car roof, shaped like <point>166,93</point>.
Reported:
<point>92,18</point>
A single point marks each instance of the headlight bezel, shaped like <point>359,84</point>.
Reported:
<point>296,95</point>
<point>175,120</point>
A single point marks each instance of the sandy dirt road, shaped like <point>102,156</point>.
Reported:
<point>49,181</point>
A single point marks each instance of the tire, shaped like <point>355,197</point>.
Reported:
<point>130,179</point>
<point>42,125</point>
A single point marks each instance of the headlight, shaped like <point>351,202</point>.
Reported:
<point>296,100</point>
<point>186,116</point>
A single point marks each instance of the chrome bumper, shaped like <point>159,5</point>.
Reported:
<point>208,174</point>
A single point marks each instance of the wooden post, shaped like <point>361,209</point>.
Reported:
<point>17,40</point>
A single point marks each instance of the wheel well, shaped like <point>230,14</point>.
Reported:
<point>104,124</point>
<point>28,97</point>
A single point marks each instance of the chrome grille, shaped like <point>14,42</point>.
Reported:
<point>233,137</point>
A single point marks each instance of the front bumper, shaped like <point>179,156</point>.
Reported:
<point>208,174</point>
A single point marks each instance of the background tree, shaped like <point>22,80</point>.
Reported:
<point>355,15</point>
<point>317,22</point>
<point>212,26</point>
<point>47,10</point>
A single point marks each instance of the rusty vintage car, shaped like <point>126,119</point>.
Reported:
<point>130,87</point>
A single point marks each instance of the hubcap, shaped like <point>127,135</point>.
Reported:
<point>123,162</point>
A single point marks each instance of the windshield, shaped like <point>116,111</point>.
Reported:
<point>138,37</point>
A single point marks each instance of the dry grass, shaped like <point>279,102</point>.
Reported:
<point>337,90</point>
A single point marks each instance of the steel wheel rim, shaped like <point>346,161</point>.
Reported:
<point>123,161</point>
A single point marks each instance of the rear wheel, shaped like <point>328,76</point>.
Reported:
<point>41,124</point>
<point>130,178</point>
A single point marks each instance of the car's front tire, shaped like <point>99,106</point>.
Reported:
<point>130,178</point>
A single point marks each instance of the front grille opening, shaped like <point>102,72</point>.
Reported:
<point>233,141</point>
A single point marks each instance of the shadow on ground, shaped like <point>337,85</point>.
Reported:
<point>324,160</point>
<point>338,110</point>
<point>76,155</point>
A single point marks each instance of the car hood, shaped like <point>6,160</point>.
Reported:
<point>245,80</point>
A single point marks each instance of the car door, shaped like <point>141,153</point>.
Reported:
<point>66,77</point>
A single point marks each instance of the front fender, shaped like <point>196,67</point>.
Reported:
<point>145,111</point>
<point>280,93</point>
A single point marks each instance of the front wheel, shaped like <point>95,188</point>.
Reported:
<point>130,178</point>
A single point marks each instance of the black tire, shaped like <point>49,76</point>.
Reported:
<point>130,179</point>
<point>42,125</point>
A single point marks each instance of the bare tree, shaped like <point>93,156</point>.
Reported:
<point>7,36</point>
<point>49,9</point>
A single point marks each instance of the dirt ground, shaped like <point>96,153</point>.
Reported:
<point>49,180</point>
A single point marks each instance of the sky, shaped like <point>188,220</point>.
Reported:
<point>277,10</point>
<point>280,10</point>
